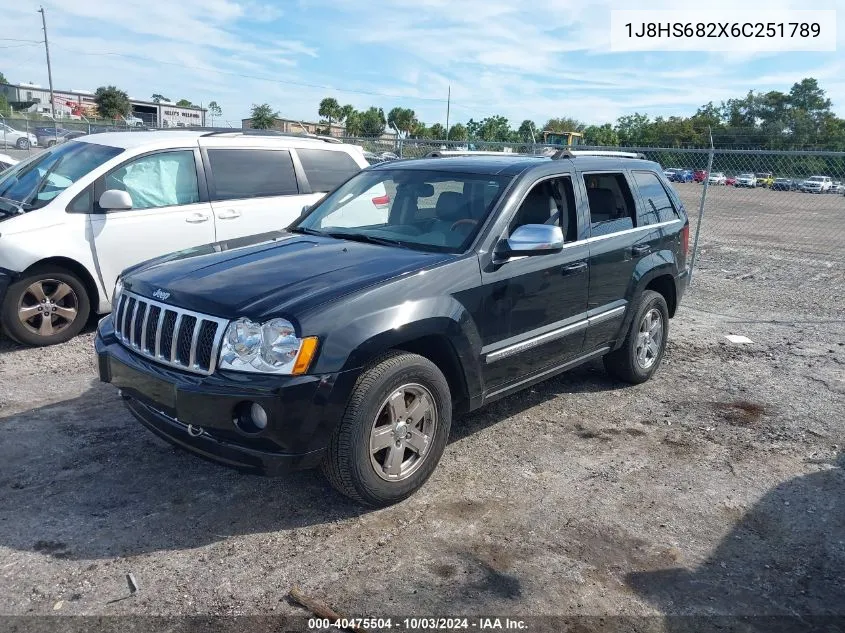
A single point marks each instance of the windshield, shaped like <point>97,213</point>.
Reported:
<point>426,210</point>
<point>746,176</point>
<point>816,179</point>
<point>32,184</point>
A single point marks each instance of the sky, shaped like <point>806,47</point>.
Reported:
<point>533,59</point>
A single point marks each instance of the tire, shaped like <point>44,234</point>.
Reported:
<point>360,474</point>
<point>624,363</point>
<point>51,143</point>
<point>23,143</point>
<point>25,293</point>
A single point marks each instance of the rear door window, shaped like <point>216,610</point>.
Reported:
<point>326,169</point>
<point>251,173</point>
<point>611,203</point>
<point>658,206</point>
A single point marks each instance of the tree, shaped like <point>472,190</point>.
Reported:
<point>527,131</point>
<point>3,79</point>
<point>403,119</point>
<point>111,102</point>
<point>494,128</point>
<point>262,117</point>
<point>215,111</point>
<point>438,132</point>
<point>352,121</point>
<point>184,103</point>
<point>372,122</point>
<point>157,98</point>
<point>4,105</point>
<point>458,132</point>
<point>564,124</point>
<point>330,110</point>
<point>601,135</point>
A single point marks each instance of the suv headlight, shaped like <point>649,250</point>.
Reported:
<point>268,348</point>
<point>115,296</point>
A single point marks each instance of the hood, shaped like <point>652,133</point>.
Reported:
<point>273,274</point>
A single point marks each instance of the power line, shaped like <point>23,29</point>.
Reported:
<point>12,39</point>
<point>21,45</point>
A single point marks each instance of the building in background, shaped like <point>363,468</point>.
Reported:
<point>75,104</point>
<point>292,126</point>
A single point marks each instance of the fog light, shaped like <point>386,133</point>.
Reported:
<point>258,415</point>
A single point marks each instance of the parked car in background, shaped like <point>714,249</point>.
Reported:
<point>374,159</point>
<point>351,347</point>
<point>837,187</point>
<point>816,184</point>
<point>764,179</point>
<point>7,161</point>
<point>746,180</point>
<point>784,184</point>
<point>699,175</point>
<point>48,136</point>
<point>730,181</point>
<point>670,172</point>
<point>683,175</point>
<point>10,137</point>
<point>717,178</point>
<point>74,216</point>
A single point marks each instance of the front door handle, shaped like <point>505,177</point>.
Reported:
<point>574,269</point>
<point>197,218</point>
<point>229,214</point>
<point>640,250</point>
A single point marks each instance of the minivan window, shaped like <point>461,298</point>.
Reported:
<point>34,183</point>
<point>326,169</point>
<point>658,206</point>
<point>251,173</point>
<point>163,179</point>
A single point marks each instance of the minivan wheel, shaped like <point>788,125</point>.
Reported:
<point>45,307</point>
<point>393,432</point>
<point>22,143</point>
<point>640,355</point>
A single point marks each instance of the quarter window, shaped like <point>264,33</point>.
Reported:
<point>326,169</point>
<point>252,173</point>
<point>164,179</point>
<point>658,205</point>
<point>611,203</point>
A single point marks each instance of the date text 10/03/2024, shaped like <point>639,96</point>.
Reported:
<point>420,624</point>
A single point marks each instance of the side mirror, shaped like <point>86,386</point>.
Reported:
<point>115,200</point>
<point>532,239</point>
<point>304,210</point>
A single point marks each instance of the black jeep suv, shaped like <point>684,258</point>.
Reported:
<point>416,290</point>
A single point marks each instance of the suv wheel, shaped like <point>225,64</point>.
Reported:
<point>23,143</point>
<point>45,307</point>
<point>393,432</point>
<point>640,355</point>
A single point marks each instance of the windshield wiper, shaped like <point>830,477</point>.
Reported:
<point>17,207</point>
<point>307,231</point>
<point>363,237</point>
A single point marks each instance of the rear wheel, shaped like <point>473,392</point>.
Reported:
<point>45,307</point>
<point>640,355</point>
<point>22,143</point>
<point>393,432</point>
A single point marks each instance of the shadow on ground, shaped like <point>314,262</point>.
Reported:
<point>82,480</point>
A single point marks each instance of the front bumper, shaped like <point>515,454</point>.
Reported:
<point>197,413</point>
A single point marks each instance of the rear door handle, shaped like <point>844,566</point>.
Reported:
<point>197,218</point>
<point>229,214</point>
<point>640,250</point>
<point>574,269</point>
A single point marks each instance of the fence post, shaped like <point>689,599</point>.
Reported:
<point>701,208</point>
<point>3,121</point>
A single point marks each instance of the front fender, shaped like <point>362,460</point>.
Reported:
<point>366,337</point>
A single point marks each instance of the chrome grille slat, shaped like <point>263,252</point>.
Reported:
<point>134,328</point>
<point>133,323</point>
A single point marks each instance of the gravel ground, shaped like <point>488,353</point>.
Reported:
<point>716,488</point>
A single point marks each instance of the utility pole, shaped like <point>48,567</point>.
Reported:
<point>49,71</point>
<point>448,103</point>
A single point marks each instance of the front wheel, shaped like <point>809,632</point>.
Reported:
<point>640,355</point>
<point>22,143</point>
<point>45,307</point>
<point>393,432</point>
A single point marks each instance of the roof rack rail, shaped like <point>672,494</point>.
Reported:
<point>574,153</point>
<point>257,132</point>
<point>442,153</point>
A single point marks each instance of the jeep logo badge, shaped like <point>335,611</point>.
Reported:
<point>161,294</point>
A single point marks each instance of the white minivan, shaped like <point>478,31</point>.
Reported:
<point>73,217</point>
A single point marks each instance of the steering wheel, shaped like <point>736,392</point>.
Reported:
<point>463,221</point>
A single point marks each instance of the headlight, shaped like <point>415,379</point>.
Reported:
<point>271,348</point>
<point>118,290</point>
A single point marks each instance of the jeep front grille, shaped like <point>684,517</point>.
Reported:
<point>167,334</point>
